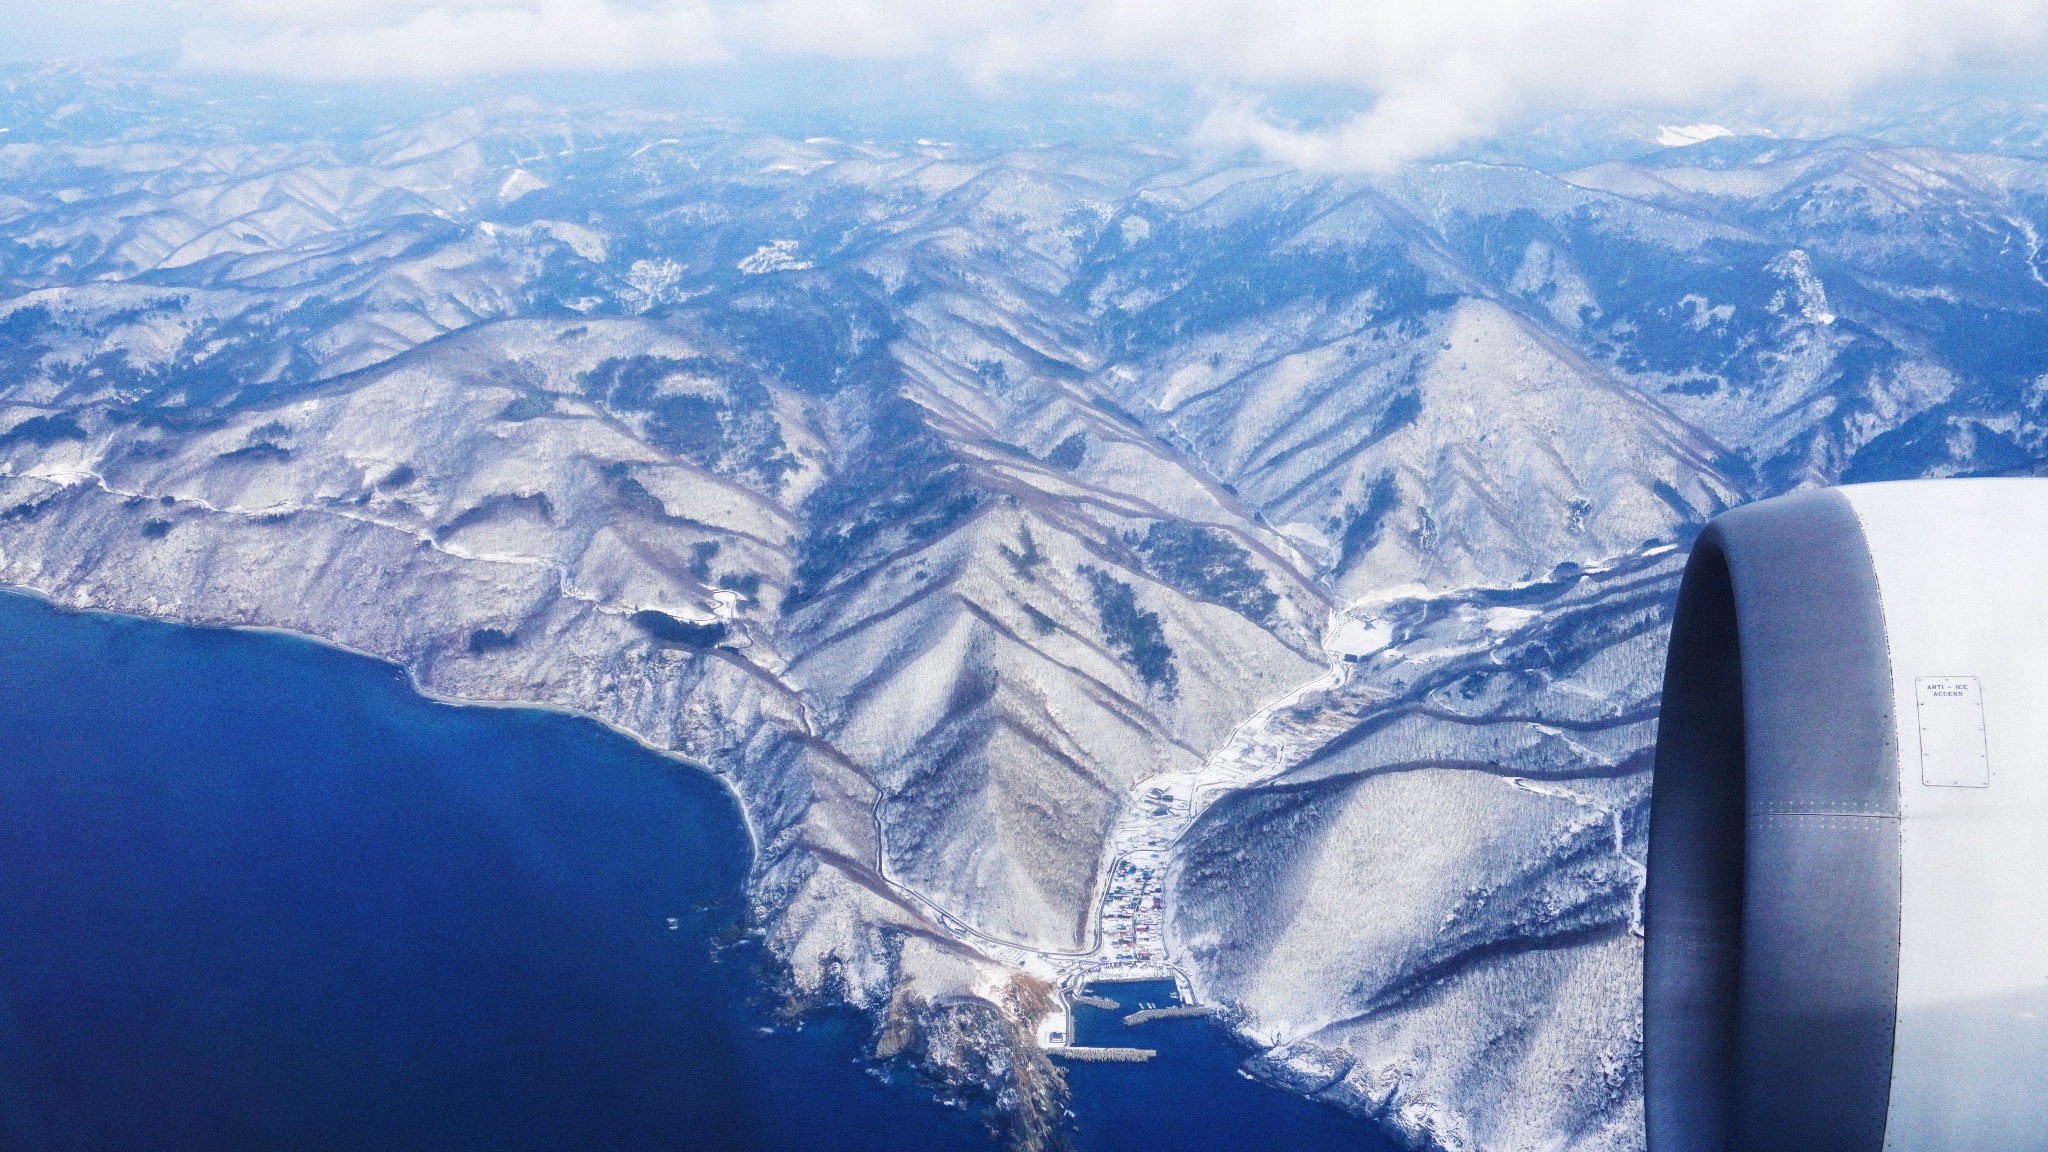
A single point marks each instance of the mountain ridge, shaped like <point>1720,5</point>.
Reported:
<point>941,502</point>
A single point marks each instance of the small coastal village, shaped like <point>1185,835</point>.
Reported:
<point>1129,945</point>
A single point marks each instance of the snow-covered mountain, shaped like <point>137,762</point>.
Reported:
<point>944,501</point>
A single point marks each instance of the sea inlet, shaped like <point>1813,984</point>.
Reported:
<point>256,894</point>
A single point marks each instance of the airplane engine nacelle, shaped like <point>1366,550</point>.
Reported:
<point>1847,914</point>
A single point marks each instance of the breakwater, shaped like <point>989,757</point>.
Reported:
<point>1104,1055</point>
<point>1102,1002</point>
<point>1177,1012</point>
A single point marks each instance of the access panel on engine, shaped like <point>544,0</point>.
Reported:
<point>1952,752</point>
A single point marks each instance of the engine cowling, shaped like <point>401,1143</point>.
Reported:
<point>1846,917</point>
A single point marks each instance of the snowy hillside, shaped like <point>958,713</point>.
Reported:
<point>956,506</point>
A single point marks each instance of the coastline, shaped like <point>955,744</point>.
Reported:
<point>1025,1121</point>
<point>413,682</point>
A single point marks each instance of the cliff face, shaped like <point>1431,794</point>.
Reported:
<point>944,502</point>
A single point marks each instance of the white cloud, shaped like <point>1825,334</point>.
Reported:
<point>1428,74</point>
<point>383,39</point>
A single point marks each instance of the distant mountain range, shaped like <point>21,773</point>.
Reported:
<point>939,497</point>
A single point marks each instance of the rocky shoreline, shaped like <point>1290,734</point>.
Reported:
<point>938,498</point>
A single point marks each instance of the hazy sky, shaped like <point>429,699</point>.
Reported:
<point>1426,75</point>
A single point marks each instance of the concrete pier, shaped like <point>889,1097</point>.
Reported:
<point>1178,1012</point>
<point>1104,1055</point>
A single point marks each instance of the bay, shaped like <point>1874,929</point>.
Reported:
<point>258,894</point>
<point>1191,1095</point>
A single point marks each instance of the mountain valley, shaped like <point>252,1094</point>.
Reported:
<point>958,506</point>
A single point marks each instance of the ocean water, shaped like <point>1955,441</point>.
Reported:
<point>257,895</point>
<point>1191,1095</point>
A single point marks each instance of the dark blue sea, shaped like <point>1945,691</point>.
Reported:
<point>1190,1096</point>
<point>259,896</point>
